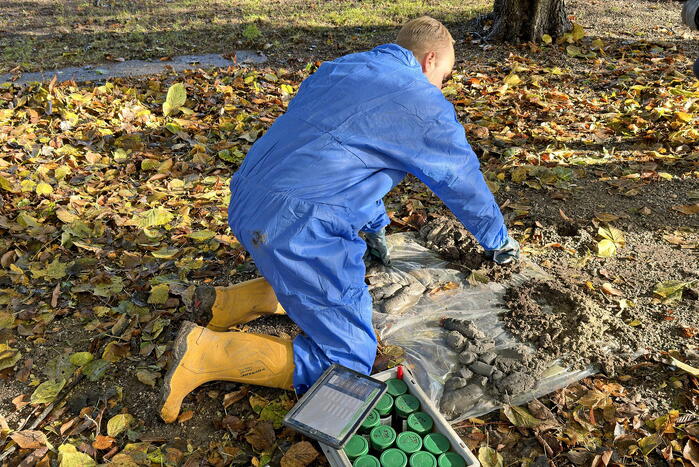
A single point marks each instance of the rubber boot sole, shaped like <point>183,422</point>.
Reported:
<point>179,349</point>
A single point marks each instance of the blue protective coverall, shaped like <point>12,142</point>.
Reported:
<point>318,176</point>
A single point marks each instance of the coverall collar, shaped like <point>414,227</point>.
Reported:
<point>401,54</point>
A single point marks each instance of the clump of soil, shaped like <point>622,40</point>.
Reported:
<point>563,323</point>
<point>447,236</point>
<point>485,371</point>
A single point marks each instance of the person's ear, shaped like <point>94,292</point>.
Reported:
<point>429,61</point>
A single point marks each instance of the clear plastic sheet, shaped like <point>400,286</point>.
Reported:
<point>418,330</point>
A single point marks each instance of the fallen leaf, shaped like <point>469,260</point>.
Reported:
<point>610,290</point>
<point>691,452</point>
<point>68,456</point>
<point>300,454</point>
<point>29,439</point>
<point>185,416</point>
<point>489,457</point>
<point>520,417</point>
<point>114,352</point>
<point>688,209</point>
<point>233,397</point>
<point>102,442</point>
<point>261,436</point>
<point>669,291</point>
<point>47,391</point>
<point>147,377</point>
<point>119,423</point>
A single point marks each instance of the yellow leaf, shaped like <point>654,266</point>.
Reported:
<point>684,117</point>
<point>598,44</point>
<point>5,184</point>
<point>159,294</point>
<point>66,216</point>
<point>578,32</point>
<point>489,457</point>
<point>573,51</point>
<point>119,423</point>
<point>546,39</point>
<point>512,79</point>
<point>68,456</point>
<point>606,248</point>
<point>44,188</point>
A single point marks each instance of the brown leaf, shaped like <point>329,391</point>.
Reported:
<point>235,396</point>
<point>691,452</point>
<point>54,296</point>
<point>610,290</point>
<point>261,436</point>
<point>34,459</point>
<point>233,423</point>
<point>185,416</point>
<point>687,209</point>
<point>102,442</point>
<point>299,455</point>
<point>29,439</point>
<point>20,401</point>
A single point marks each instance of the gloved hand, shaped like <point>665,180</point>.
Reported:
<point>377,247</point>
<point>505,254</point>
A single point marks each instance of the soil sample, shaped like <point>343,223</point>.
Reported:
<point>396,387</point>
<point>450,459</point>
<point>409,442</point>
<point>393,458</point>
<point>370,422</point>
<point>356,447</point>
<point>366,461</point>
<point>423,459</point>
<point>405,405</point>
<point>420,423</point>
<point>436,443</point>
<point>385,408</point>
<point>382,437</point>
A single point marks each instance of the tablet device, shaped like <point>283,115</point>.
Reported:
<point>334,407</point>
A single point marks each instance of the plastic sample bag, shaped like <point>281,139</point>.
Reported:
<point>415,325</point>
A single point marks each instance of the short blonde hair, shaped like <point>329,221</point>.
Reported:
<point>422,35</point>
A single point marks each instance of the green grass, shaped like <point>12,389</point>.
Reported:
<point>54,33</point>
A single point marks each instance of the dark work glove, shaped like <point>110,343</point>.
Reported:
<point>506,254</point>
<point>377,247</point>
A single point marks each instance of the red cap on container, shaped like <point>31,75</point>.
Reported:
<point>399,372</point>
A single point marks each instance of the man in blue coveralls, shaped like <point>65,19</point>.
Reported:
<point>306,190</point>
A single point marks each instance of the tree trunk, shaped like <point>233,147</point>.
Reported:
<point>528,20</point>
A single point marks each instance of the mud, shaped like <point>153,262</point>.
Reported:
<point>446,236</point>
<point>484,372</point>
<point>563,323</point>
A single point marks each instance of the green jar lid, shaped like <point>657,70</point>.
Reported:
<point>436,443</point>
<point>423,459</point>
<point>393,458</point>
<point>384,405</point>
<point>409,442</point>
<point>371,421</point>
<point>396,387</point>
<point>407,404</point>
<point>356,447</point>
<point>420,423</point>
<point>366,461</point>
<point>382,437</point>
<point>451,459</point>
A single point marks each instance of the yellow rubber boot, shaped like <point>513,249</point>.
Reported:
<point>236,304</point>
<point>201,355</point>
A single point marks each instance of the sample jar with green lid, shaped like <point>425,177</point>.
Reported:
<point>372,420</point>
<point>382,437</point>
<point>404,406</point>
<point>423,459</point>
<point>420,423</point>
<point>384,407</point>
<point>396,387</point>
<point>357,446</point>
<point>366,461</point>
<point>436,443</point>
<point>450,459</point>
<point>393,458</point>
<point>409,442</point>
